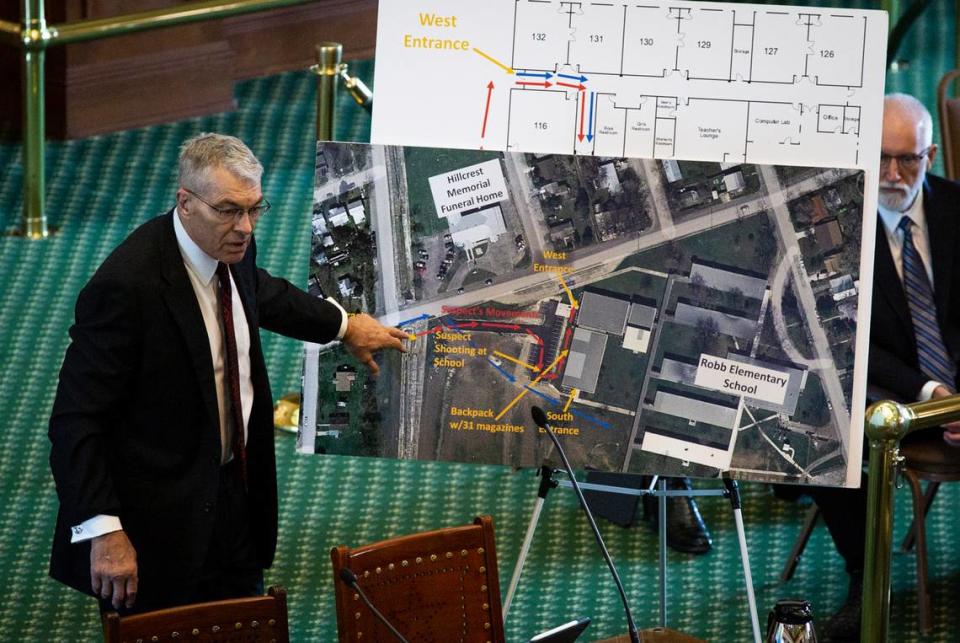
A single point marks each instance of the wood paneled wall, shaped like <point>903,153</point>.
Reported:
<point>168,74</point>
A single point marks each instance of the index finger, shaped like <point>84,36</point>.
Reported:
<point>396,332</point>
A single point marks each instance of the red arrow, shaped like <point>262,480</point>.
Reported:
<point>498,325</point>
<point>579,87</point>
<point>472,324</point>
<point>486,110</point>
<point>430,332</point>
<point>583,104</point>
<point>543,84</point>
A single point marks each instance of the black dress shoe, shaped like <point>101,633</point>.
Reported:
<point>686,531</point>
<point>844,625</point>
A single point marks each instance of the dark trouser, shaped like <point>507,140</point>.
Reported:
<point>845,513</point>
<point>231,569</point>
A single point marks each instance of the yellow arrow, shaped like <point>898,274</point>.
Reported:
<point>516,361</point>
<point>494,61</point>
<point>573,302</point>
<point>573,394</point>
<point>537,379</point>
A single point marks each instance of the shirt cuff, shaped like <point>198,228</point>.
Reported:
<point>927,391</point>
<point>93,527</point>
<point>343,318</point>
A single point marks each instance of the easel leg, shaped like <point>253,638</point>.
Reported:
<point>734,493</point>
<point>546,483</point>
<point>662,526</point>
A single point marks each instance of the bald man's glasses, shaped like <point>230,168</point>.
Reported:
<point>908,162</point>
<point>234,213</point>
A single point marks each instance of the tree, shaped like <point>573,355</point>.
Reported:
<point>707,333</point>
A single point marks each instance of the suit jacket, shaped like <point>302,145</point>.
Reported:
<point>135,426</point>
<point>893,363</point>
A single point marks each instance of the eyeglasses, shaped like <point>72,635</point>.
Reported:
<point>909,162</point>
<point>234,213</point>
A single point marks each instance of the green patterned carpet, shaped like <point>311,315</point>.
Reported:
<point>101,188</point>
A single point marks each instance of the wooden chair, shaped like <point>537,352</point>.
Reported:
<point>948,106</point>
<point>254,619</point>
<point>433,586</point>
<point>926,458</point>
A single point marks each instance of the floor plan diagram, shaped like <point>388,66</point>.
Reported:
<point>684,80</point>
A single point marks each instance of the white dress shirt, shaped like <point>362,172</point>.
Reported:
<point>921,241</point>
<point>201,270</point>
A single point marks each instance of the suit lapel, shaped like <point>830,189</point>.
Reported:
<point>182,303</point>
<point>887,284</point>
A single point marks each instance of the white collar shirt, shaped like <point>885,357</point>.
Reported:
<point>921,237</point>
<point>201,269</point>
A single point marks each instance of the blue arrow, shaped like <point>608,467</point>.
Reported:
<point>538,74</point>
<point>588,418</point>
<point>502,372</point>
<point>590,127</point>
<point>580,78</point>
<point>415,319</point>
<point>553,401</point>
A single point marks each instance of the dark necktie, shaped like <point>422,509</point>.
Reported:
<point>235,417</point>
<point>934,360</point>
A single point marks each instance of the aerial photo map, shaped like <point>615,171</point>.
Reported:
<point>669,316</point>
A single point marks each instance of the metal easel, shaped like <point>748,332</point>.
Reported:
<point>731,491</point>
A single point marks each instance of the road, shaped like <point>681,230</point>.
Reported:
<point>526,202</point>
<point>780,216</point>
<point>527,287</point>
<point>662,219</point>
<point>384,229</point>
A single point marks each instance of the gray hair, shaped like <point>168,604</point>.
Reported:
<point>206,151</point>
<point>912,108</point>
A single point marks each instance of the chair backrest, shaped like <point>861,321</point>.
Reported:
<point>433,586</point>
<point>948,106</point>
<point>254,619</point>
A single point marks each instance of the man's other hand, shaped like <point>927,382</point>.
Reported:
<point>365,336</point>
<point>113,569</point>
<point>951,431</point>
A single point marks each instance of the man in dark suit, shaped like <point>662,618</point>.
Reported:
<point>162,427</point>
<point>915,317</point>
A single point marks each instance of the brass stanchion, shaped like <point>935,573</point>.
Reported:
<point>34,36</point>
<point>327,70</point>
<point>884,426</point>
<point>357,89</point>
<point>886,423</point>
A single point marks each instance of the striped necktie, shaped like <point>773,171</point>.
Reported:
<point>235,420</point>
<point>932,355</point>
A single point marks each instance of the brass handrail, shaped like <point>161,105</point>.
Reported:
<point>35,36</point>
<point>886,423</point>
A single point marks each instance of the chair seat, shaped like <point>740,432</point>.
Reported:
<point>927,454</point>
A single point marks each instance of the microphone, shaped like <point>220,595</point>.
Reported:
<point>348,577</point>
<point>540,419</point>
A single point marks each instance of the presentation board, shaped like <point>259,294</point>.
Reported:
<point>669,316</point>
<point>647,219</point>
